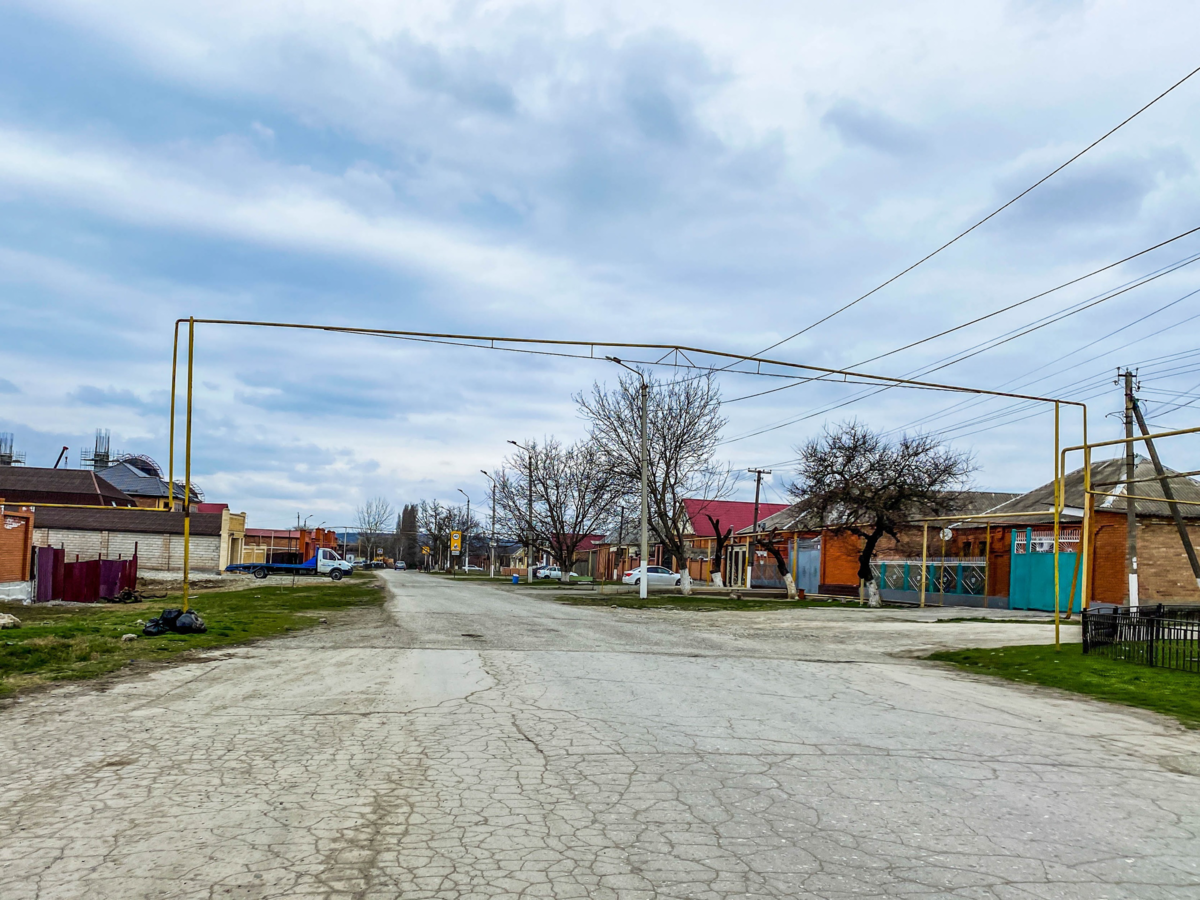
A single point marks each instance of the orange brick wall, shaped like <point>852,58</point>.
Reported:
<point>16,543</point>
<point>839,559</point>
<point>1108,581</point>
<point>1164,574</point>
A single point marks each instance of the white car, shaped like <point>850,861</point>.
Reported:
<point>552,572</point>
<point>656,576</point>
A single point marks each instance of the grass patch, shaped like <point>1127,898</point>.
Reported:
<point>696,603</point>
<point>1164,691</point>
<point>57,643</point>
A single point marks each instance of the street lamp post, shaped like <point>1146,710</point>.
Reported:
<point>492,568</point>
<point>643,575</point>
<point>466,532</point>
<point>529,514</point>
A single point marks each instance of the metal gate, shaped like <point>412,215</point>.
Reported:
<point>806,564</point>
<point>1031,582</point>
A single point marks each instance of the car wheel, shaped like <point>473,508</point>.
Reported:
<point>336,574</point>
<point>260,572</point>
<point>678,582</point>
<point>636,582</point>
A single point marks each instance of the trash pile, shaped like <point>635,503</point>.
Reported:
<point>175,621</point>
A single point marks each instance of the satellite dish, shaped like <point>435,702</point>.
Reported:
<point>947,534</point>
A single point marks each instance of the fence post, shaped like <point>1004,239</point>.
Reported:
<point>1086,625</point>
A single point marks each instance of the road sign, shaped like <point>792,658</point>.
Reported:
<point>456,542</point>
<point>947,534</point>
<point>426,551</point>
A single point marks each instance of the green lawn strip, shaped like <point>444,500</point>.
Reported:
<point>695,603</point>
<point>58,643</point>
<point>1165,691</point>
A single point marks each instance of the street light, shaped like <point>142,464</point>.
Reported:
<point>644,574</point>
<point>529,515</point>
<point>492,570</point>
<point>466,530</point>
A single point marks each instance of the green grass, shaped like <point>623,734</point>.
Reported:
<point>1165,691</point>
<point>57,643</point>
<point>697,603</point>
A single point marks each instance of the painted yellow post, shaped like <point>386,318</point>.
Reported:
<point>1085,537</point>
<point>187,466</point>
<point>924,557</point>
<point>987,561</point>
<point>171,451</point>
<point>1058,487</point>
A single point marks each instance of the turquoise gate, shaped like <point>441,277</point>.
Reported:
<point>1031,578</point>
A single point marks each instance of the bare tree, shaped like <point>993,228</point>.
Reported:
<point>409,548</point>
<point>770,544</point>
<point>854,480</point>
<point>718,557</point>
<point>573,493</point>
<point>684,424</point>
<point>374,518</point>
<point>436,520</point>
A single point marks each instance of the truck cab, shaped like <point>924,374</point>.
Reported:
<point>329,563</point>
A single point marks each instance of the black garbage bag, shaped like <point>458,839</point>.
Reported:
<point>154,628</point>
<point>169,616</point>
<point>189,623</point>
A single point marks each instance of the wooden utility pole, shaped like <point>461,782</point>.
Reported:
<point>1130,512</point>
<point>758,474</point>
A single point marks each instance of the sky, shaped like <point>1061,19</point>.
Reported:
<point>708,174</point>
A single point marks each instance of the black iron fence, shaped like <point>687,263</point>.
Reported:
<point>1168,637</point>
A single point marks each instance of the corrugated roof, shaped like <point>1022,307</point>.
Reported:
<point>1109,476</point>
<point>968,503</point>
<point>137,521</point>
<point>21,483</point>
<point>736,514</point>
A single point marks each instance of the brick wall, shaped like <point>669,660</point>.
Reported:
<point>1108,581</point>
<point>16,537</point>
<point>1164,574</point>
<point>839,560</point>
<point>156,552</point>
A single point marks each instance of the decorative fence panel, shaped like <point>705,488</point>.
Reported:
<point>966,576</point>
<point>1150,636</point>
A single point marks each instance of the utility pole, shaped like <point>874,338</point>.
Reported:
<point>1169,494</point>
<point>620,539</point>
<point>1130,511</point>
<point>644,574</point>
<point>529,514</point>
<point>492,565</point>
<point>758,474</point>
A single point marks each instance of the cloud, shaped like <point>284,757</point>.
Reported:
<point>7,387</point>
<point>89,395</point>
<point>859,125</point>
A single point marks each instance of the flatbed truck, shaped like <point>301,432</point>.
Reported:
<point>323,562</point>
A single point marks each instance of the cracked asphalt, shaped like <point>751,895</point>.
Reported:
<point>471,742</point>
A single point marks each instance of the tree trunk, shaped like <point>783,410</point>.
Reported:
<point>790,583</point>
<point>873,598</point>
<point>717,580</point>
<point>867,590</point>
<point>685,581</point>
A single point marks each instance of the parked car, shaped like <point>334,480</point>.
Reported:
<point>400,566</point>
<point>470,569</point>
<point>552,572</point>
<point>656,576</point>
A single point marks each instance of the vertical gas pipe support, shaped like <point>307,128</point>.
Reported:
<point>187,467</point>
<point>645,574</point>
<point>924,560</point>
<point>1058,493</point>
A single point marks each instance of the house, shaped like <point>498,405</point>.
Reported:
<point>155,535</point>
<point>733,516</point>
<point>81,487</point>
<point>139,478</point>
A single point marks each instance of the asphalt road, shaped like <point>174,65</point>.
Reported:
<point>469,742</point>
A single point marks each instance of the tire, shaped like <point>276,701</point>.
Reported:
<point>260,572</point>
<point>678,582</point>
<point>636,582</point>
<point>336,575</point>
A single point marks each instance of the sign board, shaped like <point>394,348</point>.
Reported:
<point>426,551</point>
<point>456,542</point>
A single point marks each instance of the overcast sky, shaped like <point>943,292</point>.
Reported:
<point>713,174</point>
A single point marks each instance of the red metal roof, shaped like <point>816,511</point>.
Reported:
<point>737,514</point>
<point>591,542</point>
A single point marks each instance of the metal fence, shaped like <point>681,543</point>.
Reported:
<point>943,576</point>
<point>1167,637</point>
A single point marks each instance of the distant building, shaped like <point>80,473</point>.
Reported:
<point>139,478</point>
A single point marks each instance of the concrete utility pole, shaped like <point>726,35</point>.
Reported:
<point>466,531</point>
<point>1169,494</point>
<point>758,474</point>
<point>529,515</point>
<point>492,565</point>
<point>1130,513</point>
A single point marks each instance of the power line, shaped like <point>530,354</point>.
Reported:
<point>990,215</point>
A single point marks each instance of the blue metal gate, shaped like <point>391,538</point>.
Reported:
<point>806,564</point>
<point>1031,578</point>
